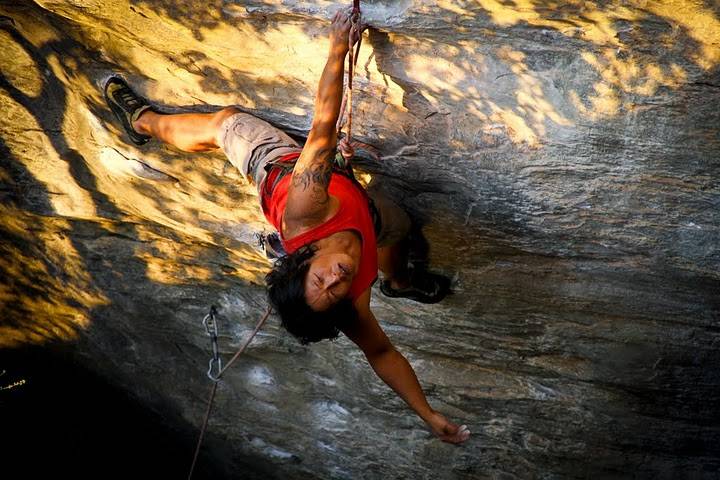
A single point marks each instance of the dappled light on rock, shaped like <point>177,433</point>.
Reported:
<point>47,294</point>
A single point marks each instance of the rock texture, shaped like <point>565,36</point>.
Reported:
<point>561,161</point>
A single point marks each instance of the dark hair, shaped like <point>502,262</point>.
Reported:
<point>286,293</point>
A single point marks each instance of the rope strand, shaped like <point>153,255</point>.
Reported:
<point>214,388</point>
<point>346,144</point>
<point>202,430</point>
<point>247,342</point>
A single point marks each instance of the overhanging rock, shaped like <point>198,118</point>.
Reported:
<point>560,161</point>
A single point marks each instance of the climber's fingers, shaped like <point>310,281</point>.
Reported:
<point>341,17</point>
<point>340,29</point>
<point>446,430</point>
<point>343,25</point>
<point>458,436</point>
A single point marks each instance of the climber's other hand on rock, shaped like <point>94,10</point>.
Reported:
<point>446,430</point>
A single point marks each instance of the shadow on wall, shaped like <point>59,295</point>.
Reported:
<point>46,291</point>
<point>549,70</point>
<point>74,407</point>
<point>69,249</point>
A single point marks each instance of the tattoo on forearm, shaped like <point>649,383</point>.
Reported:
<point>316,177</point>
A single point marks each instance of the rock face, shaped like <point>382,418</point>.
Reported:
<point>561,161</point>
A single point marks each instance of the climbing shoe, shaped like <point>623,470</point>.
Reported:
<point>127,107</point>
<point>425,287</point>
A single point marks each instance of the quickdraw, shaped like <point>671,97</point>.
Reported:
<point>210,324</point>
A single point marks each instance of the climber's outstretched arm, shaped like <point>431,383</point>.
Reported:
<point>392,367</point>
<point>308,200</point>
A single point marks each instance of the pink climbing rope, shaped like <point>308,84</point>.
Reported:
<point>346,144</point>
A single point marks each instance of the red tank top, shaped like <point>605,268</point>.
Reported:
<point>353,214</point>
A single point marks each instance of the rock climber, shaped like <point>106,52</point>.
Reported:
<point>336,234</point>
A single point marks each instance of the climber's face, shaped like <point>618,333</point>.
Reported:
<point>328,280</point>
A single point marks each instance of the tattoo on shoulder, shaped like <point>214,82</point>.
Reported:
<point>316,177</point>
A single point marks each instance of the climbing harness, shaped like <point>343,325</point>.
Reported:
<point>215,365</point>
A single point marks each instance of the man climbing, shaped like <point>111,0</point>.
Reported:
<point>336,235</point>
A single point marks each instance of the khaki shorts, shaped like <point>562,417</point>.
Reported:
<point>252,144</point>
<point>393,223</point>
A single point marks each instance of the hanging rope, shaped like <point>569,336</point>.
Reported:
<point>202,430</point>
<point>247,342</point>
<point>210,324</point>
<point>356,28</point>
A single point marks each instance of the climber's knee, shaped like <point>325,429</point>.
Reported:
<point>224,114</point>
<point>219,125</point>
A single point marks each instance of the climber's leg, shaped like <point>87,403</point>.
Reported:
<point>251,144</point>
<point>393,226</point>
<point>190,132</point>
<point>393,263</point>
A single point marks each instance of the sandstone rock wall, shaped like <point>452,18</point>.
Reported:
<point>561,161</point>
